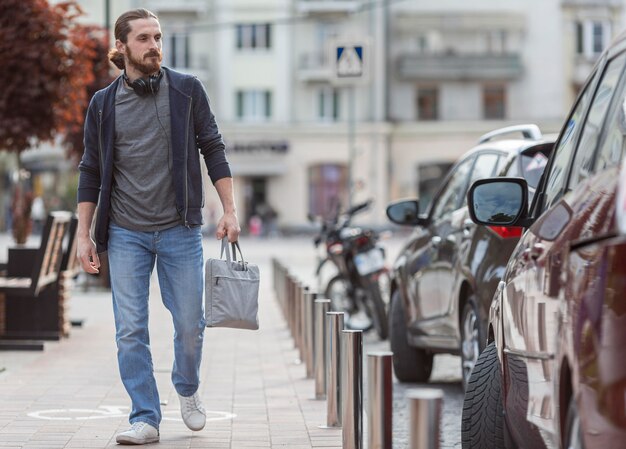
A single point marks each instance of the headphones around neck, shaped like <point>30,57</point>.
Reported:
<point>142,86</point>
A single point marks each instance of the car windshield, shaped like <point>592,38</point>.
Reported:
<point>532,167</point>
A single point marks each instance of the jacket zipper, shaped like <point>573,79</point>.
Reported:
<point>185,162</point>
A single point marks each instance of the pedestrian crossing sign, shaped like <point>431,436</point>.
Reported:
<point>350,61</point>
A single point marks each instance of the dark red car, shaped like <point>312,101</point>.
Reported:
<point>553,374</point>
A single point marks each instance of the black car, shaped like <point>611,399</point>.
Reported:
<point>445,276</point>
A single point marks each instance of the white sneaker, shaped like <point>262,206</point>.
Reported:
<point>139,433</point>
<point>192,410</point>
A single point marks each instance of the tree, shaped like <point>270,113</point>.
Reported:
<point>47,64</point>
<point>101,71</point>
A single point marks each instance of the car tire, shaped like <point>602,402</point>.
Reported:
<point>482,420</point>
<point>472,338</point>
<point>573,437</point>
<point>409,364</point>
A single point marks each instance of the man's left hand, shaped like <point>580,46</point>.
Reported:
<point>228,226</point>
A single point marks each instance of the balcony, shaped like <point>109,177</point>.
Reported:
<point>328,7</point>
<point>596,3</point>
<point>454,67</point>
<point>314,67</point>
<point>178,6</point>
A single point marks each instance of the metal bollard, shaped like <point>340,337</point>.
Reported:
<point>322,306</point>
<point>380,381</point>
<point>282,283</point>
<point>297,331</point>
<point>425,405</point>
<point>309,302</point>
<point>334,327</point>
<point>297,299</point>
<point>300,331</point>
<point>291,302</point>
<point>352,389</point>
<point>301,321</point>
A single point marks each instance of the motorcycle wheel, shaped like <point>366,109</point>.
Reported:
<point>377,309</point>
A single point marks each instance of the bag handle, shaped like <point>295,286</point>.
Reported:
<point>235,247</point>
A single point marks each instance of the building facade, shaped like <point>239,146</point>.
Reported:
<point>439,75</point>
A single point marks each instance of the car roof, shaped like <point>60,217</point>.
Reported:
<point>509,146</point>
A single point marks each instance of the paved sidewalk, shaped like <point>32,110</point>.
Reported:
<point>70,395</point>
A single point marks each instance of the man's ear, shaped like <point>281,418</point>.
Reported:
<point>120,46</point>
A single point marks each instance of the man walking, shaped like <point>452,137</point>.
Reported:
<point>144,134</point>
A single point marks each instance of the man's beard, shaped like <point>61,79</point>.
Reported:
<point>147,68</point>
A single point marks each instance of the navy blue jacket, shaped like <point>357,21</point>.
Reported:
<point>193,128</point>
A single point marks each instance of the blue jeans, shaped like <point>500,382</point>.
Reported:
<point>178,255</point>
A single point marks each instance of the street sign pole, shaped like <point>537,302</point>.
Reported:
<point>351,142</point>
<point>351,69</point>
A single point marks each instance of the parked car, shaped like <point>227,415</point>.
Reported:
<point>554,372</point>
<point>445,276</point>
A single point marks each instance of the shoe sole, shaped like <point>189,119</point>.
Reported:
<point>195,429</point>
<point>136,441</point>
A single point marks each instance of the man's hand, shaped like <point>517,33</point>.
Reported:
<point>87,255</point>
<point>228,226</point>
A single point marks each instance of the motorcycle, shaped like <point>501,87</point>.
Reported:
<point>360,263</point>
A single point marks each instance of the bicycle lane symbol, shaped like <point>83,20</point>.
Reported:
<point>113,411</point>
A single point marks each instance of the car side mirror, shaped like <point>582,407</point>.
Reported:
<point>405,212</point>
<point>499,202</point>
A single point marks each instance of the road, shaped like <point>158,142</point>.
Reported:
<point>299,254</point>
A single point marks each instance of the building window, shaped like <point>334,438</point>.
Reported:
<point>592,37</point>
<point>428,103</point>
<point>328,104</point>
<point>580,41</point>
<point>177,50</point>
<point>494,102</point>
<point>252,36</point>
<point>254,105</point>
<point>597,40</point>
<point>328,189</point>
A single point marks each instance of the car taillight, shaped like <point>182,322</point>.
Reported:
<point>362,241</point>
<point>507,232</point>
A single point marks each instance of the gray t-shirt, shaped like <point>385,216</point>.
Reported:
<point>142,197</point>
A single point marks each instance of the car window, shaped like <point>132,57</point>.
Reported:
<point>558,170</point>
<point>583,161</point>
<point>485,166</point>
<point>611,149</point>
<point>454,192</point>
<point>532,167</point>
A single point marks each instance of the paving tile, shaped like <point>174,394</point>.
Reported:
<point>250,374</point>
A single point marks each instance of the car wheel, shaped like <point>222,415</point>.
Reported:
<point>410,364</point>
<point>482,419</point>
<point>472,338</point>
<point>573,433</point>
